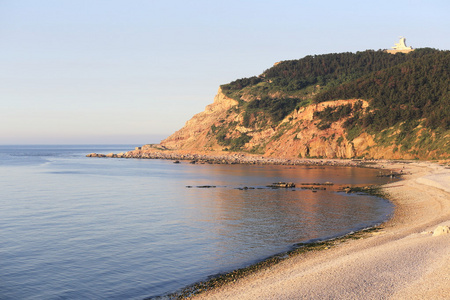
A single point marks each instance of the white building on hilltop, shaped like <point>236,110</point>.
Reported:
<point>400,47</point>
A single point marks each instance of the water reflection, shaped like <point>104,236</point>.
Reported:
<point>256,220</point>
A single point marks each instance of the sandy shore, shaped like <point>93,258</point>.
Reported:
<point>402,261</point>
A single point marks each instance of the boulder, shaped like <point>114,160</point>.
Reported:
<point>282,185</point>
<point>441,230</point>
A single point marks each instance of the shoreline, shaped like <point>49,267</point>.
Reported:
<point>402,259</point>
<point>238,158</point>
<point>398,259</point>
<point>219,280</point>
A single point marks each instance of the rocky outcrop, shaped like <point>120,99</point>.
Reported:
<point>303,138</point>
<point>95,155</point>
<point>296,136</point>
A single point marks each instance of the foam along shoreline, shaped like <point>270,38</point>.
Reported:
<point>409,258</point>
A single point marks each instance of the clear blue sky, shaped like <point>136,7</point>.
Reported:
<point>109,71</point>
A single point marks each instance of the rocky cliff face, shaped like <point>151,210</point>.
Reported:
<point>298,135</point>
<point>194,135</point>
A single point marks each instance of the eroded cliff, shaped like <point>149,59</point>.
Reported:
<point>194,135</point>
<point>298,135</point>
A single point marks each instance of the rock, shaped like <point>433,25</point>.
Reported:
<point>441,230</point>
<point>110,155</point>
<point>95,155</point>
<point>282,185</point>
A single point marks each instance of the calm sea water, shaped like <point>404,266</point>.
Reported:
<point>73,227</point>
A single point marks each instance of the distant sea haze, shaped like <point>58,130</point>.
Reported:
<point>95,228</point>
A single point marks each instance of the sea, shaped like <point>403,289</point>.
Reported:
<point>73,227</point>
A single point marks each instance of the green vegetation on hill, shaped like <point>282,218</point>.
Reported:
<point>404,91</point>
<point>294,77</point>
<point>329,69</point>
<point>275,109</point>
<point>415,90</point>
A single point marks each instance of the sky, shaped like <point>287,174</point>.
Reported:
<point>133,72</point>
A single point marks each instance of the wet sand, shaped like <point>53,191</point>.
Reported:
<point>401,261</point>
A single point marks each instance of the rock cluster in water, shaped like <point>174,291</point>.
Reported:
<point>282,185</point>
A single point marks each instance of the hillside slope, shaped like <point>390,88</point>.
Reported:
<point>369,104</point>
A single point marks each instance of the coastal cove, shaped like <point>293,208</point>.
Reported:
<point>406,258</point>
<point>138,226</point>
<point>212,150</point>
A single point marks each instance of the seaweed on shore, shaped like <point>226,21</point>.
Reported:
<point>219,280</point>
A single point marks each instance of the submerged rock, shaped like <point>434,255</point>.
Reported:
<point>282,185</point>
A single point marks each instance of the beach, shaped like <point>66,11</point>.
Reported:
<point>406,259</point>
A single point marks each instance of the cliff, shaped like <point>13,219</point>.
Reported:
<point>365,105</point>
<point>194,135</point>
<point>296,136</point>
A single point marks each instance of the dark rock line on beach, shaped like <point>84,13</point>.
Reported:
<point>237,159</point>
